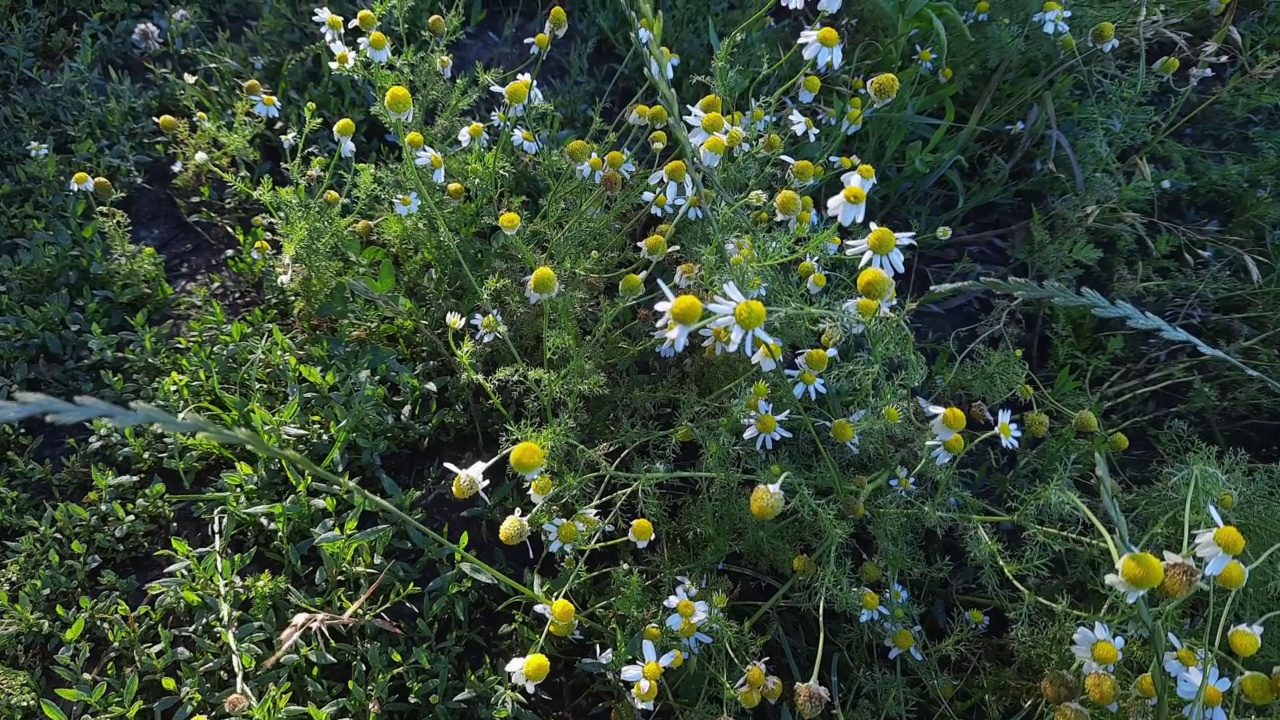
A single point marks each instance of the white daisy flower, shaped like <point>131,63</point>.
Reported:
<point>538,44</point>
<point>864,176</point>
<point>454,320</point>
<point>925,57</point>
<point>643,693</point>
<point>849,205</point>
<point>671,178</point>
<point>529,670</point>
<point>81,181</point>
<point>765,426</point>
<point>563,534</point>
<point>659,204</point>
<point>288,140</point>
<point>471,480</point>
<point>330,24</point>
<point>977,619</point>
<point>428,157</point>
<point>535,285</point>
<point>592,168</point>
<point>651,665</point>
<point>1007,429</point>
<point>1181,659</point>
<point>525,140</point>
<point>37,149</point>
<point>718,339</point>
<point>758,116</point>
<point>407,204</point>
<point>444,63</point>
<point>744,317</point>
<point>146,36</point>
<point>641,533</point>
<point>807,381</point>
<point>343,58</point>
<point>801,125</point>
<point>767,355</point>
<point>1052,18</point>
<point>266,105</point>
<point>684,608</point>
<point>822,45</point>
<point>904,482</point>
<point>1204,693</point>
<point>692,637</point>
<point>872,607</point>
<point>1218,546</point>
<point>377,47</point>
<point>473,133</point>
<point>488,326</point>
<point>940,454</point>
<point>678,316</point>
<point>903,641</point>
<point>1098,648</point>
<point>881,249</point>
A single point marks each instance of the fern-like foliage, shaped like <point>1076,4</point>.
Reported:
<point>1059,294</point>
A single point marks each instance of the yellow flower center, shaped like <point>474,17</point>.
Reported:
<point>543,280</point>
<point>464,486</point>
<point>398,100</point>
<point>378,41</point>
<point>766,424</point>
<point>563,611</point>
<point>755,677</point>
<point>874,283</point>
<point>954,444</point>
<point>1229,539</point>
<point>870,600</point>
<point>953,419</point>
<point>567,532</point>
<point>805,269</point>
<point>527,457</point>
<point>660,201</point>
<point>509,221</point>
<point>642,529</point>
<point>333,22</point>
<point>713,122</point>
<point>595,163</point>
<point>269,100</point>
<point>1232,576</point>
<point>975,616</point>
<point>868,308</point>
<point>652,671</point>
<point>1212,697</point>
<point>366,20</point>
<point>854,195</point>
<point>1103,32</point>
<point>816,359</point>
<point>710,104</point>
<point>882,241</point>
<point>1187,657</point>
<point>80,178</point>
<point>904,639</point>
<point>687,630</point>
<point>676,170</point>
<point>542,484</point>
<point>788,203</point>
<point>405,200</point>
<point>657,116</point>
<point>884,86</point>
<point>749,314</point>
<point>828,37</point>
<point>516,92</point>
<point>541,40</point>
<point>536,667</point>
<point>527,136</point>
<point>842,430</point>
<point>475,130</point>
<point>342,58</point>
<point>1244,642</point>
<point>807,378</point>
<point>1104,652</point>
<point>558,19</point>
<point>812,84</point>
<point>802,170</point>
<point>721,335</point>
<point>686,309</point>
<point>1141,570</point>
<point>614,159</point>
<point>1051,7</point>
<point>714,144</point>
<point>1145,685</point>
<point>983,6</point>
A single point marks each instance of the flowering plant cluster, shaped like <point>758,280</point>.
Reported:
<point>662,367</point>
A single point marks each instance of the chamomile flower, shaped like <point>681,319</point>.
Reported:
<point>881,249</point>
<point>643,694</point>
<point>809,88</point>
<point>563,534</point>
<point>742,316</point>
<point>822,45</point>
<point>977,619</point>
<point>1052,18</point>
<point>659,204</point>
<point>376,47</point>
<point>851,122</point>
<point>261,250</point>
<point>525,140</point>
<point>37,149</point>
<point>473,133</point>
<point>1181,658</point>
<point>1204,693</point>
<point>331,25</point>
<point>686,274</point>
<point>1218,546</point>
<point>529,670</point>
<point>848,206</point>
<point>1245,639</point>
<point>925,57</point>
<point>712,150</point>
<point>845,430</point>
<point>644,32</point>
<point>444,63</point>
<point>81,181</point>
<point>766,427</point>
<point>266,105</point>
<point>557,22</point>
<point>407,204</point>
<point>872,608</point>
<point>943,232</point>
<point>685,608</point>
<point>1103,36</point>
<point>541,285</point>
<point>944,451</point>
<point>365,20</point>
<point>343,58</point>
<point>947,421</point>
<point>641,532</point>
<point>538,44</point>
<point>982,10</point>
<point>903,640</point>
<point>454,320</point>
<point>664,64</point>
<point>904,482</point>
<point>1098,648</point>
<point>471,481</point>
<point>679,315</point>
<point>692,637</point>
<point>718,340</point>
<point>801,125</point>
<point>1007,430</point>
<point>672,179</point>
<point>146,36</point>
<point>592,168</point>
<point>399,103</point>
<point>864,176</point>
<point>428,157</point>
<point>519,94</point>
<point>488,326</point>
<point>807,381</point>
<point>649,669</point>
<point>562,618</point>
<point>620,162</point>
<point>1136,573</point>
<point>767,355</point>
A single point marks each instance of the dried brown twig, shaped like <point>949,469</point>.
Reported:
<point>319,622</point>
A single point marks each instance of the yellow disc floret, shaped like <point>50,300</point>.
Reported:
<point>509,222</point>
<point>563,611</point>
<point>816,359</point>
<point>884,87</point>
<point>398,100</point>
<point>537,667</point>
<point>867,308</point>
<point>527,457</point>
<point>687,309</point>
<point>1228,538</point>
<point>514,530</point>
<point>828,37</point>
<point>1233,575</point>
<point>874,283</point>
<point>1244,641</point>
<point>543,281</point>
<point>766,502</point>
<point>516,92</point>
<point>882,241</point>
<point>749,314</point>
<point>1141,570</point>
<point>788,203</point>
